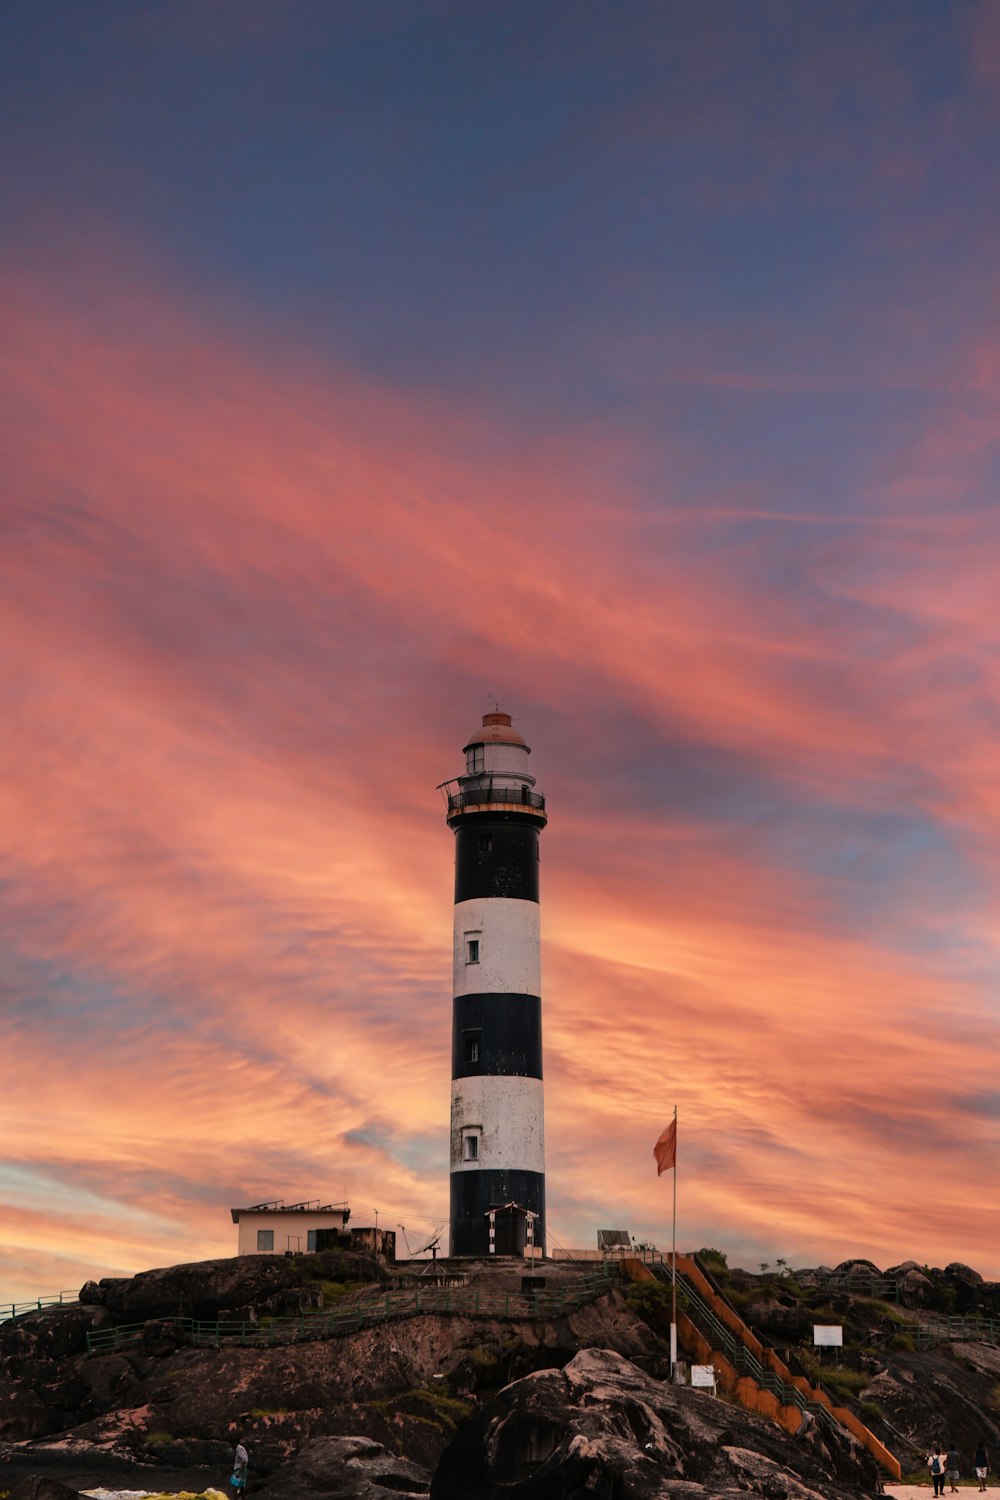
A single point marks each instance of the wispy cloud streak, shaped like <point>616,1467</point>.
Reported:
<point>249,605</point>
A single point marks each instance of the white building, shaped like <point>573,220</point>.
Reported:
<point>276,1227</point>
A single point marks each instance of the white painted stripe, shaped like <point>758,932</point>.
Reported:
<point>508,935</point>
<point>509,1113</point>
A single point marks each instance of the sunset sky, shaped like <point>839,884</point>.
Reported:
<point>638,363</point>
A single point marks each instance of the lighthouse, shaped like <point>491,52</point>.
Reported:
<point>497,1116</point>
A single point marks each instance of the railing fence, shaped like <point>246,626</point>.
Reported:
<point>474,1302</point>
<point>10,1310</point>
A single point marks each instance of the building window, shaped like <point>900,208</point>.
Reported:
<point>472,950</point>
<point>470,1146</point>
<point>310,1239</point>
<point>472,1048</point>
<point>265,1239</point>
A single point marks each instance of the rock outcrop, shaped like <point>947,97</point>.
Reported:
<point>41,1487</point>
<point>347,1468</point>
<point>914,1288</point>
<point>602,1428</point>
<point>171,1406</point>
<point>525,1407</point>
<point>237,1287</point>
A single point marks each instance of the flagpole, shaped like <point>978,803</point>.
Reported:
<point>673,1269</point>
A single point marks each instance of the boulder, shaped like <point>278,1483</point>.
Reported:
<point>52,1333</point>
<point>914,1289</point>
<point>41,1487</point>
<point>24,1413</point>
<point>963,1273</point>
<point>602,1428</point>
<point>857,1268</point>
<point>270,1284</point>
<point>781,1321</point>
<point>161,1337</point>
<point>349,1468</point>
<point>109,1382</point>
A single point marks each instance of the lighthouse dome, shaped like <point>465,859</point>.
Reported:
<point>496,729</point>
<point>497,749</point>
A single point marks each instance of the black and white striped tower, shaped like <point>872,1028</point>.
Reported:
<point>497,1117</point>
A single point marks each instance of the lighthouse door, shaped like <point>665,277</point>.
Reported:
<point>511,1230</point>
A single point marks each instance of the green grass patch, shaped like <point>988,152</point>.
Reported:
<point>715,1263</point>
<point>265,1411</point>
<point>741,1297</point>
<point>651,1301</point>
<point>157,1439</point>
<point>849,1382</point>
<point>485,1362</point>
<point>334,1290</point>
<point>886,1311</point>
<point>838,1378</point>
<point>448,1411</point>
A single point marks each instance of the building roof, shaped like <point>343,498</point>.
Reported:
<point>279,1206</point>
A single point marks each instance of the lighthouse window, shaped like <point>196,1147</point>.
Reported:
<point>474,759</point>
<point>485,843</point>
<point>471,1144</point>
<point>472,951</point>
<point>472,1048</point>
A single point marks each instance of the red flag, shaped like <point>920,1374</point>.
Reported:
<point>665,1149</point>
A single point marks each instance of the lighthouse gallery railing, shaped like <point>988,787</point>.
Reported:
<point>511,796</point>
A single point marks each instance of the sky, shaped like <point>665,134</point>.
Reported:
<point>637,364</point>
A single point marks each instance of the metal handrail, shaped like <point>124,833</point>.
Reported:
<point>458,1301</point>
<point>953,1327</point>
<point>511,795</point>
<point>861,1282</point>
<point>788,1394</point>
<point>10,1310</point>
<point>742,1357</point>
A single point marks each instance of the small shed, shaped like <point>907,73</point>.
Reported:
<point>277,1228</point>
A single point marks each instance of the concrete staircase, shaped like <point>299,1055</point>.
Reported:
<point>711,1332</point>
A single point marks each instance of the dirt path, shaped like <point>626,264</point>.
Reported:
<point>922,1491</point>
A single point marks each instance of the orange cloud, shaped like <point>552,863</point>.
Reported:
<point>248,608</point>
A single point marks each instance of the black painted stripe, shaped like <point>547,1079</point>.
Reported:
<point>474,1192</point>
<point>503,1031</point>
<point>496,857</point>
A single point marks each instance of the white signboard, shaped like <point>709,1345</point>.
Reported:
<point>828,1335</point>
<point>703,1375</point>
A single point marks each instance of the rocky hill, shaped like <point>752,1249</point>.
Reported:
<point>908,1390</point>
<point>560,1399</point>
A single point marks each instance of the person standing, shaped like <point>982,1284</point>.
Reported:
<point>241,1462</point>
<point>935,1462</point>
<point>951,1465</point>
<point>981,1464</point>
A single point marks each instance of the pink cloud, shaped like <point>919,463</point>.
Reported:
<point>249,607</point>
